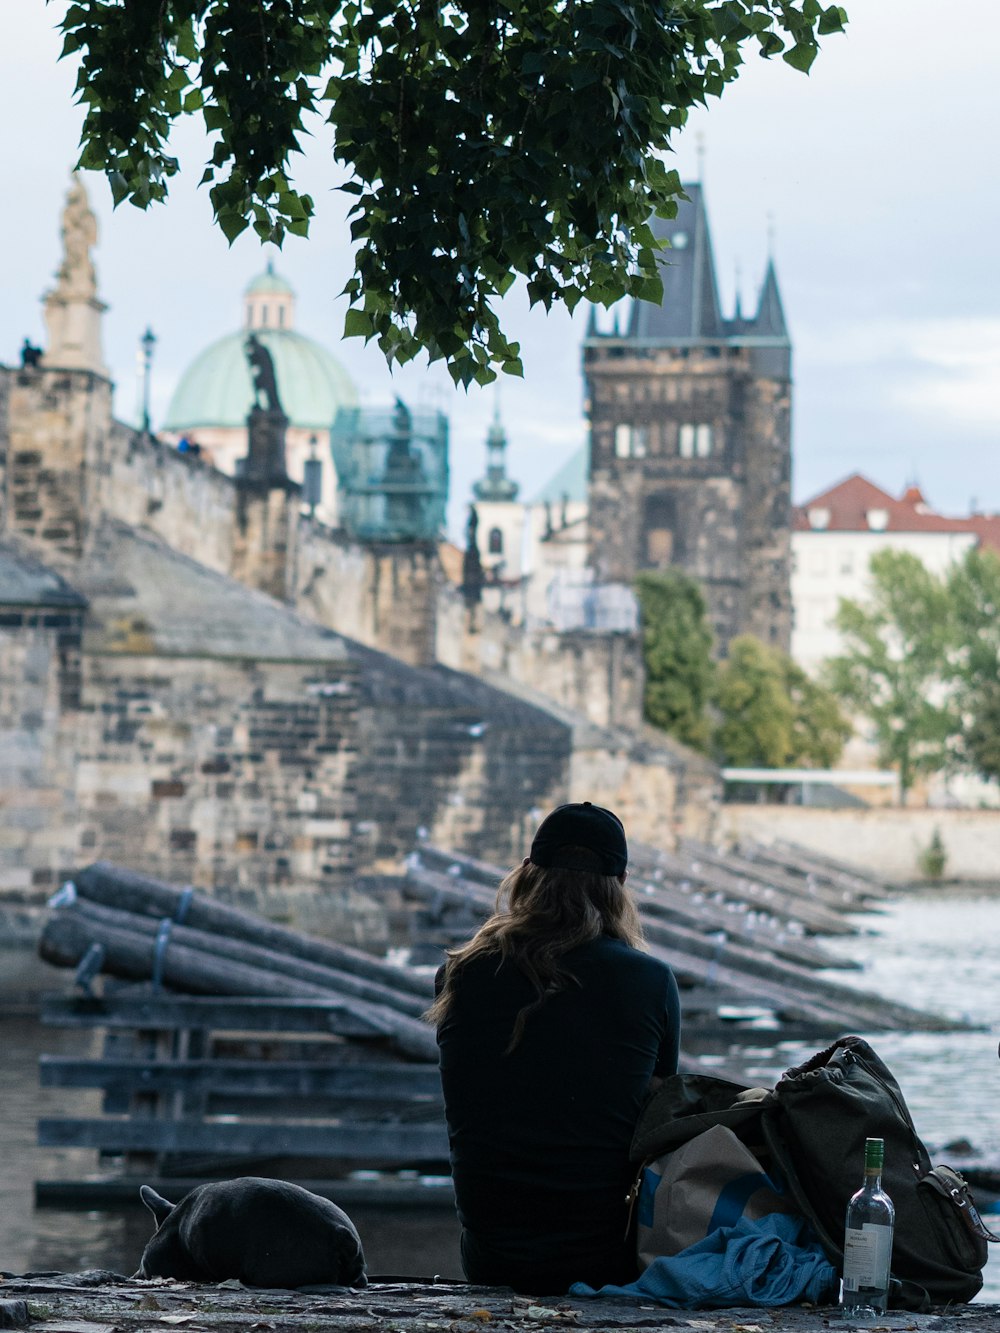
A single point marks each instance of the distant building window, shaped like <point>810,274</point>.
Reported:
<point>631,441</point>
<point>819,519</point>
<point>694,440</point>
<point>878,519</point>
<point>263,314</point>
<point>495,542</point>
<point>281,315</point>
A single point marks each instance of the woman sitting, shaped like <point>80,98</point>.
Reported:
<point>552,1024</point>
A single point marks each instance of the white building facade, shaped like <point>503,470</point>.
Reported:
<point>836,534</point>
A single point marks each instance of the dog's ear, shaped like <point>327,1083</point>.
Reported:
<point>160,1207</point>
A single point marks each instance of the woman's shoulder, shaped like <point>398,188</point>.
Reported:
<point>619,953</point>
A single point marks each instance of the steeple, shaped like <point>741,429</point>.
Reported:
<point>72,308</point>
<point>496,485</point>
<point>769,321</point>
<point>690,307</point>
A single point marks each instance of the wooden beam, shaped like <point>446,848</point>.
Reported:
<point>253,1078</point>
<point>229,1014</point>
<point>358,1142</point>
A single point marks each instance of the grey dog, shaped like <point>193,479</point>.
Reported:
<point>266,1233</point>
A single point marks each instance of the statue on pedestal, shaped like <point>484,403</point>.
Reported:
<point>266,421</point>
<point>72,309</point>
<point>265,382</point>
<point>76,276</point>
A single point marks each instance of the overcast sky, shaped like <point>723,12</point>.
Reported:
<point>880,173</point>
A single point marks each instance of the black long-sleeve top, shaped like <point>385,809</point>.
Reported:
<point>540,1137</point>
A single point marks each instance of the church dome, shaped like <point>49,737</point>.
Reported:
<point>216,389</point>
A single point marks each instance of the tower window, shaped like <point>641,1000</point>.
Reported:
<point>694,440</point>
<point>631,441</point>
<point>495,542</point>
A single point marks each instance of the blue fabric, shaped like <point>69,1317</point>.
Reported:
<point>734,1198</point>
<point>647,1196</point>
<point>772,1260</point>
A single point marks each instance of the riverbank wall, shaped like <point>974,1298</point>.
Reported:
<point>886,843</point>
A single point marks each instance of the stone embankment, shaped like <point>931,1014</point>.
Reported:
<point>102,1302</point>
<point>886,843</point>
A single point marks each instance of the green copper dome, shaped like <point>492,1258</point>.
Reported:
<point>269,282</point>
<point>216,389</point>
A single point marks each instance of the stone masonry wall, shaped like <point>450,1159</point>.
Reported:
<point>179,497</point>
<point>219,773</point>
<point>55,430</point>
<point>885,843</point>
<point>384,596</point>
<point>448,758</point>
<point>597,675</point>
<point>767,604</point>
<point>39,693</point>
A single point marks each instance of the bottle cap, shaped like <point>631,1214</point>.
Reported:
<point>874,1154</point>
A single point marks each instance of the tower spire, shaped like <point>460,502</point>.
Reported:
<point>496,485</point>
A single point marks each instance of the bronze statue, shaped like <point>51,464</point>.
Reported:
<point>30,355</point>
<point>265,383</point>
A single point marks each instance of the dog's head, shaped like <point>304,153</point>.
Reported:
<point>164,1255</point>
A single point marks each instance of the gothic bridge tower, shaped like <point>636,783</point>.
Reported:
<point>690,439</point>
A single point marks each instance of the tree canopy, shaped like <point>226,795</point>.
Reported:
<point>677,654</point>
<point>771,714</point>
<point>974,602</point>
<point>897,662</point>
<point>483,139</point>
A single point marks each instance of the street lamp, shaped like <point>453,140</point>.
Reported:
<point>147,342</point>
<point>312,478</point>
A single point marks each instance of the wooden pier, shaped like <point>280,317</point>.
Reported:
<point>236,1046</point>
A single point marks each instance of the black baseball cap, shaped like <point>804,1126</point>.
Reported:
<point>584,825</point>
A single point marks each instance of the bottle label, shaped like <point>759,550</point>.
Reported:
<point>867,1251</point>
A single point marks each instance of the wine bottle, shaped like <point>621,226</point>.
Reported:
<point>868,1241</point>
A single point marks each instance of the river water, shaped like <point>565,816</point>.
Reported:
<point>935,952</point>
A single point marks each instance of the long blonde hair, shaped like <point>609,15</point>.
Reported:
<point>541,914</point>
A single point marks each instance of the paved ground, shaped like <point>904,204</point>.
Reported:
<point>101,1302</point>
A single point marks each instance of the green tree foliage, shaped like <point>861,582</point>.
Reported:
<point>677,653</point>
<point>483,138</point>
<point>898,651</point>
<point>819,728</point>
<point>974,596</point>
<point>771,714</point>
<point>756,714</point>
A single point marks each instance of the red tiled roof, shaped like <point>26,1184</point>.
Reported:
<point>850,502</point>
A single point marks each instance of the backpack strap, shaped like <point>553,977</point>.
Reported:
<point>955,1188</point>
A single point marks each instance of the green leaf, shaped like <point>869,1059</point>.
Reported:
<point>357,324</point>
<point>801,57</point>
<point>232,224</point>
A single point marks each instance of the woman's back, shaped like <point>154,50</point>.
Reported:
<point>540,1134</point>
